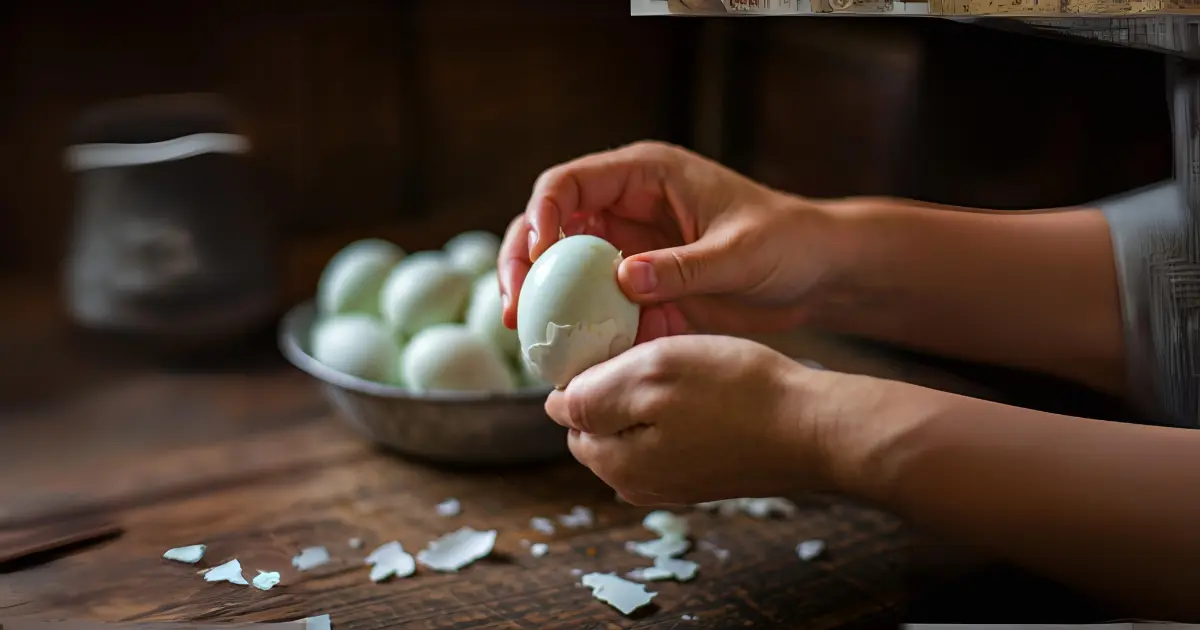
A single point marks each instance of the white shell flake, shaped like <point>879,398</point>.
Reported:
<point>539,549</point>
<point>190,554</point>
<point>457,549</point>
<point>810,549</point>
<point>757,508</point>
<point>229,572</point>
<point>389,560</point>
<point>449,507</point>
<point>579,517</point>
<point>265,580</point>
<point>619,593</point>
<point>665,523</point>
<point>310,558</point>
<point>667,569</point>
<point>355,543</point>
<point>669,546</point>
<point>542,525</point>
<point>721,554</point>
<point>571,345</point>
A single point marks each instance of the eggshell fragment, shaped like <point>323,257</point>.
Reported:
<point>422,291</point>
<point>457,549</point>
<point>229,572</point>
<point>571,313</point>
<point>390,560</point>
<point>351,280</point>
<point>619,593</point>
<point>356,345</point>
<point>474,252</point>
<point>485,315</point>
<point>190,554</point>
<point>450,357</point>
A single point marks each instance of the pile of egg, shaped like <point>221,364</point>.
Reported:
<point>425,321</point>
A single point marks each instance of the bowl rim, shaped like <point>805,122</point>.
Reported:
<point>294,352</point>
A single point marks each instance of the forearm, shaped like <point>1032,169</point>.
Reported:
<point>1029,290</point>
<point>1107,507</point>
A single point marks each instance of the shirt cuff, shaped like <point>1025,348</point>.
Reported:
<point>1156,248</point>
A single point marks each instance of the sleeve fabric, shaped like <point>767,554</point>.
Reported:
<point>1156,246</point>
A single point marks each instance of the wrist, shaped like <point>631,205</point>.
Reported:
<point>860,241</point>
<point>864,430</point>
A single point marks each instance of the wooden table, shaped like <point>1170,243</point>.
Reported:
<point>247,458</point>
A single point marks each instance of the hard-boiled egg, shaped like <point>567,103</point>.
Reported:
<point>572,314</point>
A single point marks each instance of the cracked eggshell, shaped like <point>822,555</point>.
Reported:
<point>449,357</point>
<point>421,291</point>
<point>357,345</point>
<point>485,315</point>
<point>572,314</point>
<point>474,252</point>
<point>352,279</point>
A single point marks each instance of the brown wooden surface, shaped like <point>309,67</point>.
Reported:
<point>246,458</point>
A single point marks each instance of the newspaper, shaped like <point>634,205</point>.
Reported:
<point>1165,26</point>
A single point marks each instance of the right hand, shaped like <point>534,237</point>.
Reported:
<point>706,248</point>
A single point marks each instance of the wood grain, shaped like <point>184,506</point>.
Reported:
<point>246,459</point>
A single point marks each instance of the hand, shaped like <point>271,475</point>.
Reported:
<point>707,249</point>
<point>694,418</point>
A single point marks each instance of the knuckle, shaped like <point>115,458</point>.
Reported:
<point>652,148</point>
<point>650,403</point>
<point>514,233</point>
<point>580,409</point>
<point>688,266</point>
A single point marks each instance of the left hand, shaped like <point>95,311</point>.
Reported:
<point>693,418</point>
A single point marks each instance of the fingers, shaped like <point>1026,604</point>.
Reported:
<point>660,320</point>
<point>707,266</point>
<point>597,401</point>
<point>513,265</point>
<point>628,176</point>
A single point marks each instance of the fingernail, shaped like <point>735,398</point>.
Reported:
<point>642,278</point>
<point>504,301</point>
<point>533,238</point>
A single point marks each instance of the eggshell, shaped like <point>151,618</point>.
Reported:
<point>450,357</point>
<point>474,252</point>
<point>485,312</point>
<point>357,345</point>
<point>423,290</point>
<point>571,313</point>
<point>351,280</point>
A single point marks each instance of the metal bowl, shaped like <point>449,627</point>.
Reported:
<point>461,428</point>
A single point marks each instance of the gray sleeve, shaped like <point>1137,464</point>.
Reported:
<point>1155,246</point>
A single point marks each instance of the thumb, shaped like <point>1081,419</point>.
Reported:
<point>665,275</point>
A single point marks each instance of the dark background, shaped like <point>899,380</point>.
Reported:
<point>414,120</point>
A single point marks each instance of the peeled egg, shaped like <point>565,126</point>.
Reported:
<point>451,357</point>
<point>485,313</point>
<point>526,377</point>
<point>474,252</point>
<point>421,291</point>
<point>572,314</point>
<point>357,345</point>
<point>351,281</point>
